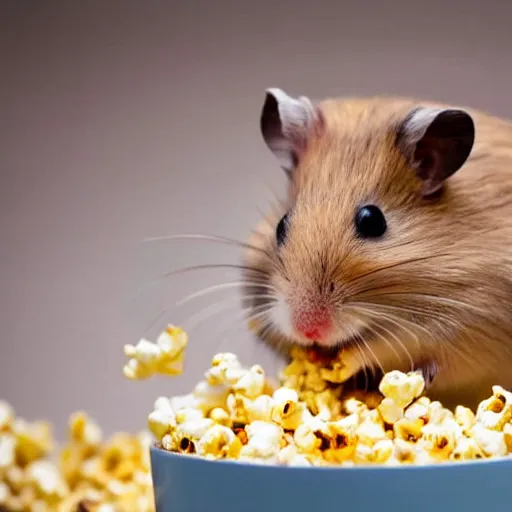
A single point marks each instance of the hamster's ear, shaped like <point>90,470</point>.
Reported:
<point>436,142</point>
<point>286,124</point>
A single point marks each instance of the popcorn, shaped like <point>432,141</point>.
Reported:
<point>287,411</point>
<point>390,411</point>
<point>402,388</point>
<point>88,473</point>
<point>496,412</point>
<point>310,420</point>
<point>264,440</point>
<point>6,415</point>
<point>465,417</point>
<point>252,384</point>
<point>165,357</point>
<point>219,442</point>
<point>491,442</point>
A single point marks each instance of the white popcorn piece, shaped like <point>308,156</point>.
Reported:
<point>390,411</point>
<point>7,451</point>
<point>6,415</point>
<point>196,429</point>
<point>5,492</point>
<point>252,383</point>
<point>244,410</point>
<point>382,450</point>
<point>401,387</point>
<point>210,397</point>
<point>189,414</point>
<point>289,456</point>
<point>84,430</point>
<point>492,442</point>
<point>441,439</point>
<point>438,414</point>
<point>467,448</point>
<point>465,417</point>
<point>264,440</point>
<point>370,432</point>
<point>225,370</point>
<point>287,411</point>
<point>165,357</point>
<point>305,438</point>
<point>180,402</point>
<point>220,416</point>
<point>417,410</point>
<point>161,422</point>
<point>172,342</point>
<point>404,451</point>
<point>219,442</point>
<point>47,479</point>
<point>496,411</point>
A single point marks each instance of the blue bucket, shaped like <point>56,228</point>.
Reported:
<point>183,483</point>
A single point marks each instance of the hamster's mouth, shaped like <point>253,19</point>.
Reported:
<point>333,351</point>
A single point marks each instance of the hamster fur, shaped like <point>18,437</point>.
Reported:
<point>394,242</point>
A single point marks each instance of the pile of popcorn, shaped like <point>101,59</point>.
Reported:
<point>235,413</point>
<point>88,474</point>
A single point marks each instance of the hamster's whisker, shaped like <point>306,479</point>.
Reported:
<point>208,238</point>
<point>415,311</point>
<point>224,286</point>
<point>363,361</point>
<point>216,266</point>
<point>220,336</point>
<point>434,298</point>
<point>368,348</point>
<point>394,266</point>
<point>208,312</point>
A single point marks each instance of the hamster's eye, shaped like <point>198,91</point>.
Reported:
<point>370,221</point>
<point>281,230</point>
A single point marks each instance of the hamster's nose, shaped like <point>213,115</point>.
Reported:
<point>314,324</point>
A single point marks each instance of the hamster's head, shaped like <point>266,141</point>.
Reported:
<point>354,252</point>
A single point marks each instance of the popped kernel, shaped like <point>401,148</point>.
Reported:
<point>465,417</point>
<point>496,411</point>
<point>252,383</point>
<point>220,416</point>
<point>6,415</point>
<point>287,411</point>
<point>402,388</point>
<point>165,357</point>
<point>408,430</point>
<point>219,442</point>
<point>491,442</point>
<point>264,440</point>
<point>466,448</point>
<point>390,411</point>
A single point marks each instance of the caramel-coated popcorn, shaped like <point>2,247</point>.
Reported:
<point>88,473</point>
<point>310,420</point>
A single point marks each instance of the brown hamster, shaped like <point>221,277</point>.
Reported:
<point>394,243</point>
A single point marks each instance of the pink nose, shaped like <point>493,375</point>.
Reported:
<point>314,324</point>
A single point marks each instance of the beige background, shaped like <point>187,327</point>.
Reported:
<point>122,120</point>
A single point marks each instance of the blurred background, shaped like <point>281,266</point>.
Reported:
<point>122,120</point>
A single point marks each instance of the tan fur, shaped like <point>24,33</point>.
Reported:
<point>456,248</point>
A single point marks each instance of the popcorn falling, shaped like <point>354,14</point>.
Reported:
<point>310,420</point>
<point>164,357</point>
<point>88,474</point>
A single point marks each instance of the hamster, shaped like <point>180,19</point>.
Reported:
<point>394,243</point>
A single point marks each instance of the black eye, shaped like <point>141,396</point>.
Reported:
<point>370,221</point>
<point>281,230</point>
